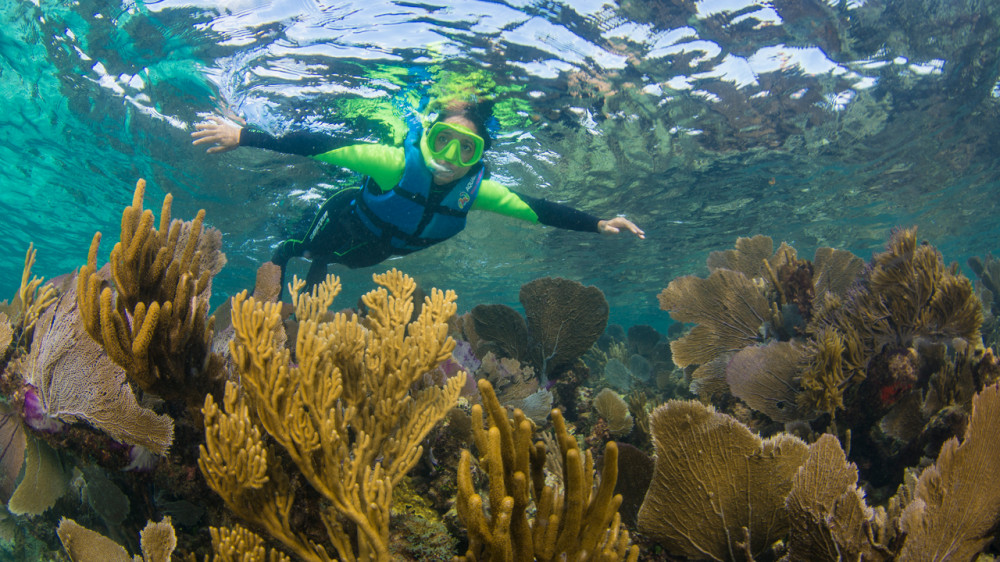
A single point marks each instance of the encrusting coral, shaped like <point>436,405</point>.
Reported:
<point>581,523</point>
<point>345,415</point>
<point>150,311</point>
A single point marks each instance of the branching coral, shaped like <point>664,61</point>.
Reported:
<point>582,523</point>
<point>344,415</point>
<point>32,298</point>
<point>239,544</point>
<point>154,320</point>
<point>834,361</point>
<point>908,292</point>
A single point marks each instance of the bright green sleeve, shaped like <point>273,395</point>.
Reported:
<point>382,163</point>
<point>496,198</point>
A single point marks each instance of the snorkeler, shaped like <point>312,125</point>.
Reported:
<point>413,196</point>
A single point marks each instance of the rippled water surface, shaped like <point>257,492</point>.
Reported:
<point>819,123</point>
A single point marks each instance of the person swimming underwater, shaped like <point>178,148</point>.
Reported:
<point>413,196</point>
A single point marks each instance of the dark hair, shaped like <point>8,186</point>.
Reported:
<point>479,112</point>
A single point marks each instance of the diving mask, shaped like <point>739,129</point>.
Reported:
<point>454,143</point>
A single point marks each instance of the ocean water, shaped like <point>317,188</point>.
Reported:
<point>818,123</point>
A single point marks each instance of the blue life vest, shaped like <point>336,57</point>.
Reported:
<point>405,217</point>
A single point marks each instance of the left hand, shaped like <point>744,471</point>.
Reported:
<point>615,225</point>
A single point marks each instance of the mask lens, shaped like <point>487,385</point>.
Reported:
<point>455,144</point>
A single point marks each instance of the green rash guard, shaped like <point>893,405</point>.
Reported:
<point>384,165</point>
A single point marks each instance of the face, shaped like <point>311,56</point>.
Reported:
<point>446,171</point>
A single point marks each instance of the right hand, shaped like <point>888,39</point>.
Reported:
<point>224,135</point>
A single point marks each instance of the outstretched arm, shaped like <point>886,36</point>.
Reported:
<point>497,198</point>
<point>224,135</point>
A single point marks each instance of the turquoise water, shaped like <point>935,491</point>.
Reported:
<point>816,123</point>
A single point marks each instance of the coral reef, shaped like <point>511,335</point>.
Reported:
<point>343,415</point>
<point>149,310</point>
<point>712,473</point>
<point>718,488</point>
<point>72,379</point>
<point>83,545</point>
<point>882,352</point>
<point>562,321</point>
<point>581,523</point>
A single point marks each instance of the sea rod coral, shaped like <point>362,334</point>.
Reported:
<point>344,415</point>
<point>580,523</point>
<point>150,309</point>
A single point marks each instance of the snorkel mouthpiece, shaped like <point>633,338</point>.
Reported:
<point>429,160</point>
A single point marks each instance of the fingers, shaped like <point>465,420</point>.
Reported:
<point>216,131</point>
<point>615,225</point>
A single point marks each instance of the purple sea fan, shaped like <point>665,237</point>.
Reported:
<point>35,414</point>
<point>73,380</point>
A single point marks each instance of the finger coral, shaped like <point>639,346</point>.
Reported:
<point>150,310</point>
<point>581,523</point>
<point>344,415</point>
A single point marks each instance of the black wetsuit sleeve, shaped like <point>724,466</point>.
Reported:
<point>303,143</point>
<point>560,216</point>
